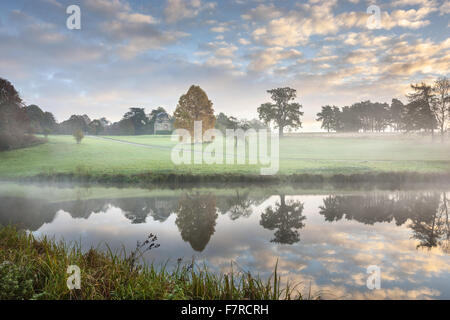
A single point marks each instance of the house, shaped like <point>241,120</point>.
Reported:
<point>163,124</point>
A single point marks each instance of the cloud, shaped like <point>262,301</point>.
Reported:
<point>265,59</point>
<point>295,27</point>
<point>240,49</point>
<point>262,12</point>
<point>445,8</point>
<point>244,41</point>
<point>219,29</point>
<point>177,10</point>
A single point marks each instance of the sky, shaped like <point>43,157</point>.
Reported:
<point>147,53</point>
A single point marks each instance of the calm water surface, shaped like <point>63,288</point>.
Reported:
<point>324,238</point>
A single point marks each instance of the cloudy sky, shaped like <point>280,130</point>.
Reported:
<point>147,53</point>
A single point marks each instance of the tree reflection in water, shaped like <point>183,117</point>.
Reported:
<point>426,213</point>
<point>286,218</point>
<point>196,219</point>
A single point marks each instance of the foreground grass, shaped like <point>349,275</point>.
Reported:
<point>36,269</point>
<point>314,155</point>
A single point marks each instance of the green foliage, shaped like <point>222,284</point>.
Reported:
<point>8,94</point>
<point>47,131</point>
<point>138,119</point>
<point>284,113</point>
<point>419,114</point>
<point>328,118</point>
<point>13,283</point>
<point>74,123</point>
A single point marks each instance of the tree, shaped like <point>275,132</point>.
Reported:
<point>78,135</point>
<point>46,132</point>
<point>224,122</point>
<point>139,119</point>
<point>397,111</point>
<point>257,124</point>
<point>126,127</point>
<point>95,127</point>
<point>194,106</point>
<point>9,94</point>
<point>349,120</point>
<point>36,117</point>
<point>440,105</point>
<point>420,112</point>
<point>75,123</point>
<point>14,122</point>
<point>49,122</point>
<point>283,113</point>
<point>287,218</point>
<point>327,117</point>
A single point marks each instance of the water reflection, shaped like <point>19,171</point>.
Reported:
<point>196,213</point>
<point>326,239</point>
<point>196,219</point>
<point>286,218</point>
<point>427,212</point>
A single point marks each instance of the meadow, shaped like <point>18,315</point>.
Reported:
<point>314,154</point>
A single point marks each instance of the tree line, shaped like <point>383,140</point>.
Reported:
<point>19,122</point>
<point>428,109</point>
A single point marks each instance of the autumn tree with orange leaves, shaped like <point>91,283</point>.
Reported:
<point>194,106</point>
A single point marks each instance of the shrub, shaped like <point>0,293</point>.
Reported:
<point>13,284</point>
<point>78,135</point>
<point>46,132</point>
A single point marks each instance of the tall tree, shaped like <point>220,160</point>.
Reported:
<point>8,94</point>
<point>397,111</point>
<point>349,120</point>
<point>139,119</point>
<point>95,127</point>
<point>421,100</point>
<point>36,117</point>
<point>441,104</point>
<point>49,124</point>
<point>14,122</point>
<point>327,118</point>
<point>194,106</point>
<point>284,113</point>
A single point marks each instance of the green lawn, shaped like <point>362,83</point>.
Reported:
<point>313,154</point>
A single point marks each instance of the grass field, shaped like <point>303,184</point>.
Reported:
<point>308,153</point>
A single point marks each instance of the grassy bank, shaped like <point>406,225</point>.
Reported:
<point>186,180</point>
<point>37,269</point>
<point>148,159</point>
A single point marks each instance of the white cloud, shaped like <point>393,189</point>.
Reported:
<point>244,42</point>
<point>262,12</point>
<point>177,10</point>
<point>263,60</point>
